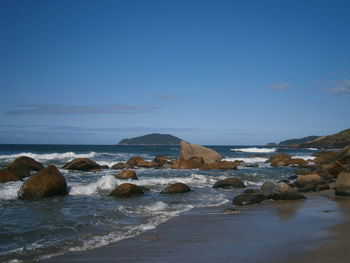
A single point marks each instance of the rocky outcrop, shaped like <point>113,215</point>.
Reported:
<point>22,166</point>
<point>162,160</point>
<point>287,195</point>
<point>127,190</point>
<point>47,182</point>
<point>140,162</point>
<point>7,176</point>
<point>221,165</point>
<point>342,185</point>
<point>82,164</point>
<point>248,199</point>
<point>229,183</point>
<point>126,174</point>
<point>188,151</point>
<point>120,165</point>
<point>338,140</point>
<point>192,163</point>
<point>283,159</point>
<point>176,188</point>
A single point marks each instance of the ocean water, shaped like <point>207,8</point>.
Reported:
<point>89,218</point>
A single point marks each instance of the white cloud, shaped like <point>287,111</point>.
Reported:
<point>342,88</point>
<point>280,86</point>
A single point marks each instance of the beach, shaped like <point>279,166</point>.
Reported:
<point>279,232</point>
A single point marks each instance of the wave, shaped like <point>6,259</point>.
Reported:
<point>8,191</point>
<point>50,156</point>
<point>247,160</point>
<point>305,157</point>
<point>254,150</point>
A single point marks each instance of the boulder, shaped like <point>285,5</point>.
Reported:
<point>127,190</point>
<point>161,160</point>
<point>47,182</point>
<point>22,166</point>
<point>287,195</point>
<point>229,183</point>
<point>250,191</point>
<point>296,162</point>
<point>134,161</point>
<point>192,163</point>
<point>147,164</point>
<point>308,179</point>
<point>343,156</point>
<point>248,199</point>
<point>269,188</point>
<point>7,176</point>
<point>126,174</point>
<point>120,165</point>
<point>323,157</point>
<point>221,165</point>
<point>342,185</point>
<point>188,150</point>
<point>82,164</point>
<point>278,157</point>
<point>333,168</point>
<point>176,189</point>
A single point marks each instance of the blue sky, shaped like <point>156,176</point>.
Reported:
<point>210,72</point>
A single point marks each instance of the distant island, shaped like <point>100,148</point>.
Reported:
<point>152,139</point>
<point>338,140</point>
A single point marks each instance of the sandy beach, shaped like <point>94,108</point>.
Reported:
<point>314,230</point>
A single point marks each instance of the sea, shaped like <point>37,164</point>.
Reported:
<point>88,217</point>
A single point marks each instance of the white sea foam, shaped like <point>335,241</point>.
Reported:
<point>49,156</point>
<point>311,149</point>
<point>254,150</point>
<point>305,157</point>
<point>8,191</point>
<point>105,183</point>
<point>248,159</point>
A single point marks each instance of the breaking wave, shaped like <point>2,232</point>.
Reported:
<point>254,150</point>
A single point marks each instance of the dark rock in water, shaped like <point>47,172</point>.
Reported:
<point>127,190</point>
<point>120,165</point>
<point>307,188</point>
<point>134,161</point>
<point>287,195</point>
<point>188,150</point>
<point>293,177</point>
<point>248,199</point>
<point>7,176</point>
<point>126,174</point>
<point>342,185</point>
<point>162,160</point>
<point>252,165</point>
<point>47,182</point>
<point>176,188</point>
<point>144,188</point>
<point>250,191</point>
<point>231,211</point>
<point>82,164</point>
<point>22,166</point>
<point>229,183</point>
<point>192,163</point>
<point>221,165</point>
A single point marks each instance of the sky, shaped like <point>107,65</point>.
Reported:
<point>210,72</point>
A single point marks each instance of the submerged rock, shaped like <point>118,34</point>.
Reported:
<point>47,182</point>
<point>127,190</point>
<point>126,174</point>
<point>22,166</point>
<point>248,199</point>
<point>176,188</point>
<point>7,176</point>
<point>188,150</point>
<point>229,183</point>
<point>82,164</point>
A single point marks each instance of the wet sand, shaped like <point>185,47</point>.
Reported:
<point>284,231</point>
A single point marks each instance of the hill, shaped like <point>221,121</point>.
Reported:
<point>338,140</point>
<point>152,139</point>
<point>298,141</point>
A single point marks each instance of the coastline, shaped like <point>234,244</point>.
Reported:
<point>278,232</point>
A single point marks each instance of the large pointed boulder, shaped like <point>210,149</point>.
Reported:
<point>188,151</point>
<point>22,166</point>
<point>47,182</point>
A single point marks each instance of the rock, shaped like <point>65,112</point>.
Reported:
<point>47,182</point>
<point>104,167</point>
<point>321,186</point>
<point>333,168</point>
<point>192,163</point>
<point>307,188</point>
<point>308,179</point>
<point>343,156</point>
<point>126,174</point>
<point>287,195</point>
<point>231,211</point>
<point>221,165</point>
<point>127,190</point>
<point>134,161</point>
<point>22,166</point>
<point>82,164</point>
<point>229,183</point>
<point>248,199</point>
<point>161,160</point>
<point>146,164</point>
<point>302,172</point>
<point>278,157</point>
<point>7,176</point>
<point>188,151</point>
<point>323,157</point>
<point>296,162</point>
<point>120,165</point>
<point>342,185</point>
<point>269,188</point>
<point>176,189</point>
<point>252,165</point>
<point>250,191</point>
<point>294,177</point>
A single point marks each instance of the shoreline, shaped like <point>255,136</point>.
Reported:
<point>277,232</point>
